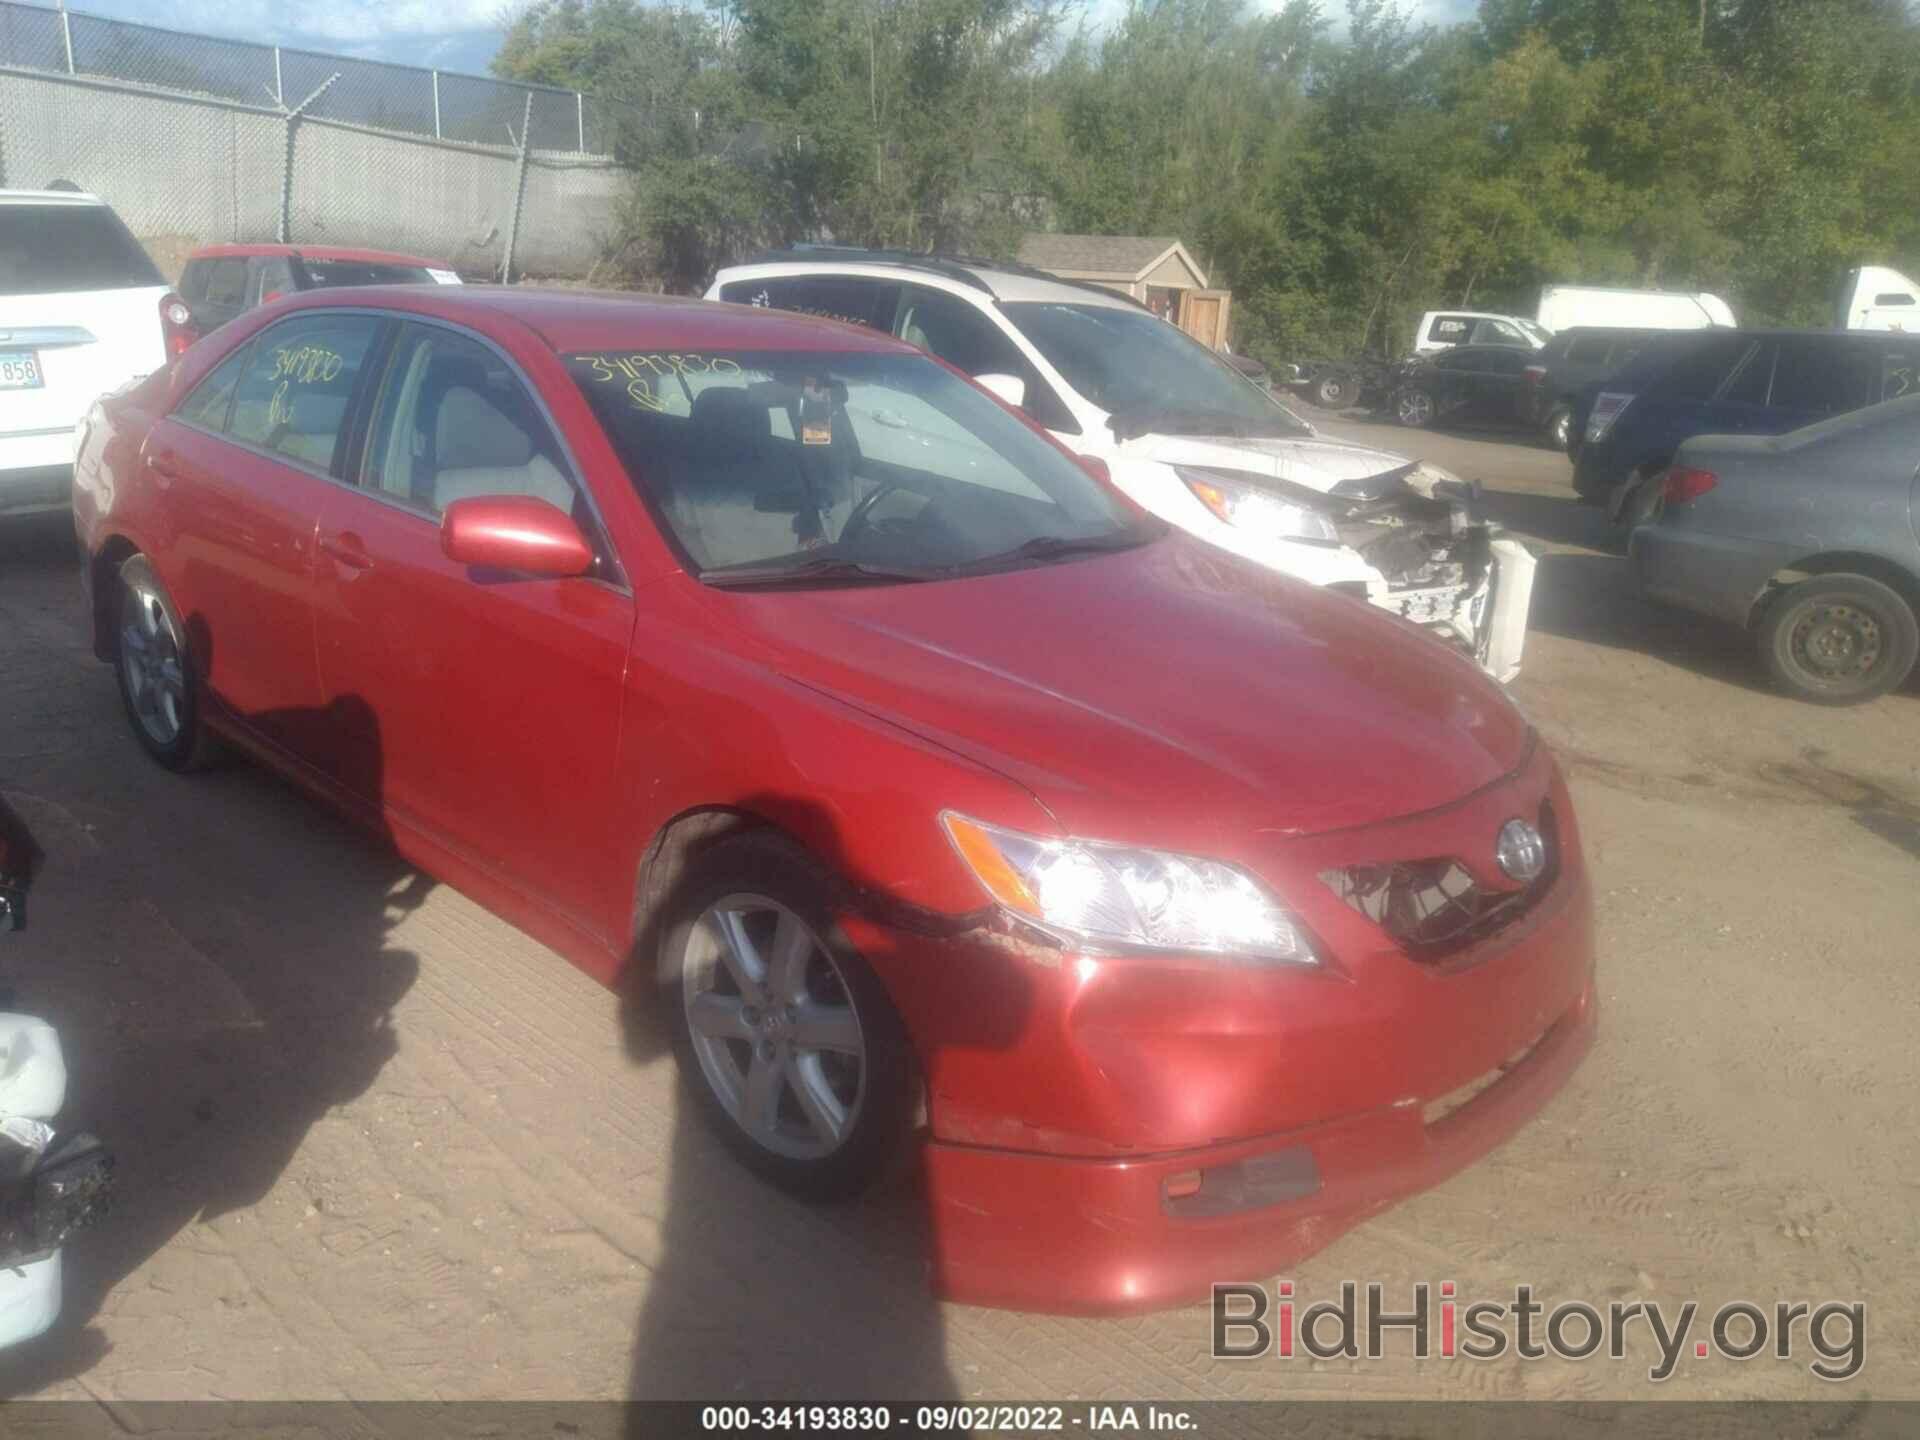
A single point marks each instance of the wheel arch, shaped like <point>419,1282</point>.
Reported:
<point>103,570</point>
<point>1901,579</point>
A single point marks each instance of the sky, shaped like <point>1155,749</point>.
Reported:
<point>450,34</point>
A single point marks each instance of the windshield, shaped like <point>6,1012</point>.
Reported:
<point>324,273</point>
<point>1132,363</point>
<point>842,467</point>
<point>55,249</point>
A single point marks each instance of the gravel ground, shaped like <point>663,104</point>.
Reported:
<point>377,1144</point>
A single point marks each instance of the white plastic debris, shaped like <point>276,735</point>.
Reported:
<point>33,1074</point>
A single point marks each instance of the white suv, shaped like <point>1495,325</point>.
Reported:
<point>1183,433</point>
<point>82,311</point>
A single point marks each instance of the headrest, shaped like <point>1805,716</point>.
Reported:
<point>726,423</point>
<point>471,431</point>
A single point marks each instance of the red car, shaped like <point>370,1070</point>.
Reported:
<point>222,282</point>
<point>1183,914</point>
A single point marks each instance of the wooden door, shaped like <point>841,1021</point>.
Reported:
<point>1203,315</point>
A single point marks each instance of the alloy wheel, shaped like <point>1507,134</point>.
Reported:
<point>1415,408</point>
<point>773,1026</point>
<point>154,668</point>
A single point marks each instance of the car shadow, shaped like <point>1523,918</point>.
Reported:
<point>1554,519</point>
<point>764,1297</point>
<point>210,1010</point>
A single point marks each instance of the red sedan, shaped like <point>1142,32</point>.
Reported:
<point>1183,914</point>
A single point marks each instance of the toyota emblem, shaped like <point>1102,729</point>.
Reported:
<point>1521,851</point>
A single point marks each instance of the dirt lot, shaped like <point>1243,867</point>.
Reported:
<point>375,1143</point>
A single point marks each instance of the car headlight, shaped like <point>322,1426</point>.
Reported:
<point>1117,897</point>
<point>1258,509</point>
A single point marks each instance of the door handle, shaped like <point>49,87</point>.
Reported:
<point>347,549</point>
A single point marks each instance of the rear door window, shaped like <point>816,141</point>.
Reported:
<point>1700,368</point>
<point>1449,330</point>
<point>211,399</point>
<point>1749,385</point>
<point>856,299</point>
<point>1499,332</point>
<point>53,249</point>
<point>227,284</point>
<point>272,278</point>
<point>1814,376</point>
<point>298,383</point>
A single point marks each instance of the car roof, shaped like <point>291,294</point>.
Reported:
<point>49,197</point>
<point>571,321</point>
<point>318,252</point>
<point>994,279</point>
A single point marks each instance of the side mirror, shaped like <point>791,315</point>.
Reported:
<point>1010,388</point>
<point>514,532</point>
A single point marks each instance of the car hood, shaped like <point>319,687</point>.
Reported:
<point>1172,695</point>
<point>1317,461</point>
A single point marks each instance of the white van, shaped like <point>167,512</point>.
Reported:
<point>1180,431</point>
<point>1873,297</point>
<point>1564,306</point>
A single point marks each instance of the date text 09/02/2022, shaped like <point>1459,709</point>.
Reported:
<point>955,1419</point>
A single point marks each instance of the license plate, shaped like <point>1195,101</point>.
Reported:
<point>19,370</point>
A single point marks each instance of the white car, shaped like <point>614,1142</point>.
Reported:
<point>82,312</point>
<point>1183,433</point>
<point>1443,329</point>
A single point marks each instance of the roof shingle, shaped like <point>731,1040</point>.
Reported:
<point>1108,255</point>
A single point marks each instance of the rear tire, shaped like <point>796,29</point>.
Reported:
<point>1560,428</point>
<point>1333,392</point>
<point>160,685</point>
<point>1838,639</point>
<point>783,1032</point>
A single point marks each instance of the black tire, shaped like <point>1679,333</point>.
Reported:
<point>880,1119</point>
<point>1413,407</point>
<point>174,731</point>
<point>1636,500</point>
<point>1838,639</point>
<point>1333,392</point>
<point>1559,429</point>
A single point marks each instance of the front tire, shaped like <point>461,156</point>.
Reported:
<point>1413,407</point>
<point>1838,639</point>
<point>159,684</point>
<point>784,1034</point>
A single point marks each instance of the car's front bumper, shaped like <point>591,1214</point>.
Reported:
<point>1714,575</point>
<point>1066,1091</point>
<point>1077,1236</point>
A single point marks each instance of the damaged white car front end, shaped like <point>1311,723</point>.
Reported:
<point>1399,533</point>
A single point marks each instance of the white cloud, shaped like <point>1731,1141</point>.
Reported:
<point>360,21</point>
<point>1103,13</point>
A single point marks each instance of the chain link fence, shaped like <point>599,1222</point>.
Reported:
<point>195,140</point>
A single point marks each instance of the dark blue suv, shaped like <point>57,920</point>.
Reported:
<point>1724,382</point>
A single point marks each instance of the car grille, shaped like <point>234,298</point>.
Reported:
<point>1435,907</point>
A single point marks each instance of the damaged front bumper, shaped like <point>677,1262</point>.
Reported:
<point>1435,565</point>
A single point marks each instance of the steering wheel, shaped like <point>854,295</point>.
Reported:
<point>857,521</point>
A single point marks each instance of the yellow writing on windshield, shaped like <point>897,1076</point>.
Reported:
<point>610,368</point>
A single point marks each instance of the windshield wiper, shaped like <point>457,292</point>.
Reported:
<point>1055,547</point>
<point>1133,424</point>
<point>830,570</point>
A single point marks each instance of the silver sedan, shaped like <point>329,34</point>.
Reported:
<point>1808,540</point>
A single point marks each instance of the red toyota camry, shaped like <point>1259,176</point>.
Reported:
<point>1184,915</point>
